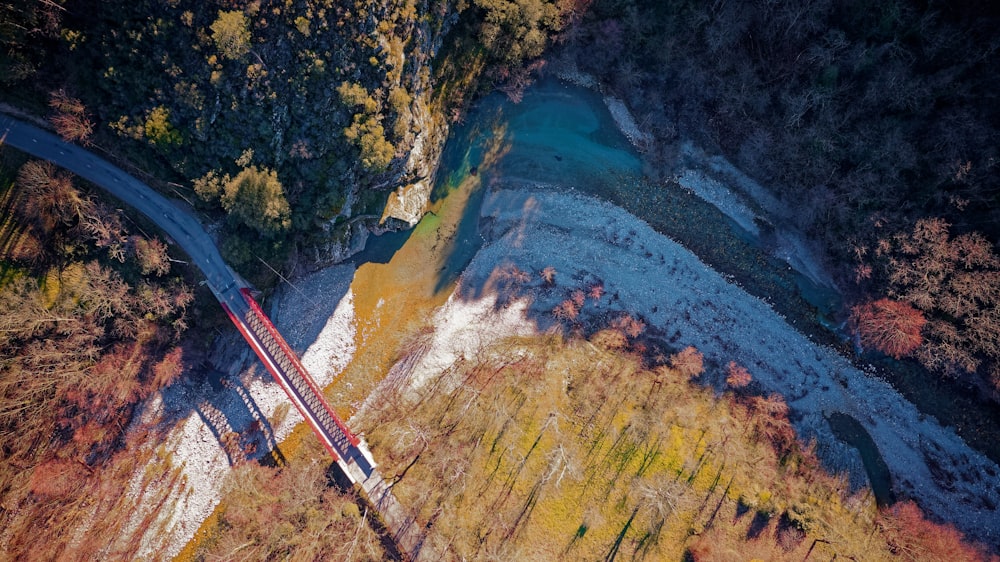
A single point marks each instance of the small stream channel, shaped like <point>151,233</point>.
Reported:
<point>563,137</point>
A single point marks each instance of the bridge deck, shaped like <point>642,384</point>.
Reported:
<point>293,378</point>
<point>349,451</point>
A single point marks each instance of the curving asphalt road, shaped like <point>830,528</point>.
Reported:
<point>356,461</point>
<point>183,228</point>
<point>187,232</point>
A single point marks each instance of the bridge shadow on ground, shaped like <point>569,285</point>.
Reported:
<point>224,404</point>
<point>217,389</point>
<point>240,427</point>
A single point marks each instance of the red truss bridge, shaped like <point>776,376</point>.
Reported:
<point>348,450</point>
<point>288,371</point>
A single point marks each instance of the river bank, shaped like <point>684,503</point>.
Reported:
<point>523,206</point>
<point>927,462</point>
<point>749,245</point>
<point>684,302</point>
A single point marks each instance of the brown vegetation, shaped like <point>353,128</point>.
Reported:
<point>70,120</point>
<point>737,376</point>
<point>911,536</point>
<point>75,512</point>
<point>80,338</point>
<point>954,280</point>
<point>289,513</point>
<point>596,291</point>
<point>629,325</point>
<point>688,362</point>
<point>566,310</point>
<point>564,450</point>
<point>549,275</point>
<point>892,327</point>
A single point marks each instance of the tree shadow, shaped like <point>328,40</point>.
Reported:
<point>472,155</point>
<point>239,425</point>
<point>760,521</point>
<point>216,389</point>
<point>741,510</point>
<point>468,144</point>
<point>465,241</point>
<point>616,546</point>
<point>850,431</point>
<point>581,532</point>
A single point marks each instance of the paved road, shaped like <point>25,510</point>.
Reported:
<point>184,229</point>
<point>188,233</point>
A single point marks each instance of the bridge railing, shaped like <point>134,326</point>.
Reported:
<point>299,376</point>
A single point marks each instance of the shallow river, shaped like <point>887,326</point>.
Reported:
<point>563,137</point>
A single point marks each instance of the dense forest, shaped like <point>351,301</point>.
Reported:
<point>282,116</point>
<point>288,124</point>
<point>92,323</point>
<point>875,122</point>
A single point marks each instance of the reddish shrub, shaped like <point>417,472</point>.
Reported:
<point>596,291</point>
<point>737,375</point>
<point>689,362</point>
<point>168,369</point>
<point>549,275</point>
<point>769,416</point>
<point>892,327</point>
<point>566,310</point>
<point>151,254</point>
<point>512,273</point>
<point>907,532</point>
<point>72,127</point>
<point>56,478</point>
<point>630,326</point>
<point>71,120</point>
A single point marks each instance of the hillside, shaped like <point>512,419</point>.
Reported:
<point>566,332</point>
<point>873,124</point>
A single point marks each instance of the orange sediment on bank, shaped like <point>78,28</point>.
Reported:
<point>206,530</point>
<point>394,300</point>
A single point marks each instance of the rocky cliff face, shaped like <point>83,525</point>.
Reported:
<point>411,179</point>
<point>410,199</point>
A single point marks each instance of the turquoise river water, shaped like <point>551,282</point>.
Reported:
<point>563,137</point>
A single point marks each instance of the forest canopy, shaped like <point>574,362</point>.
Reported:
<point>872,121</point>
<point>91,325</point>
